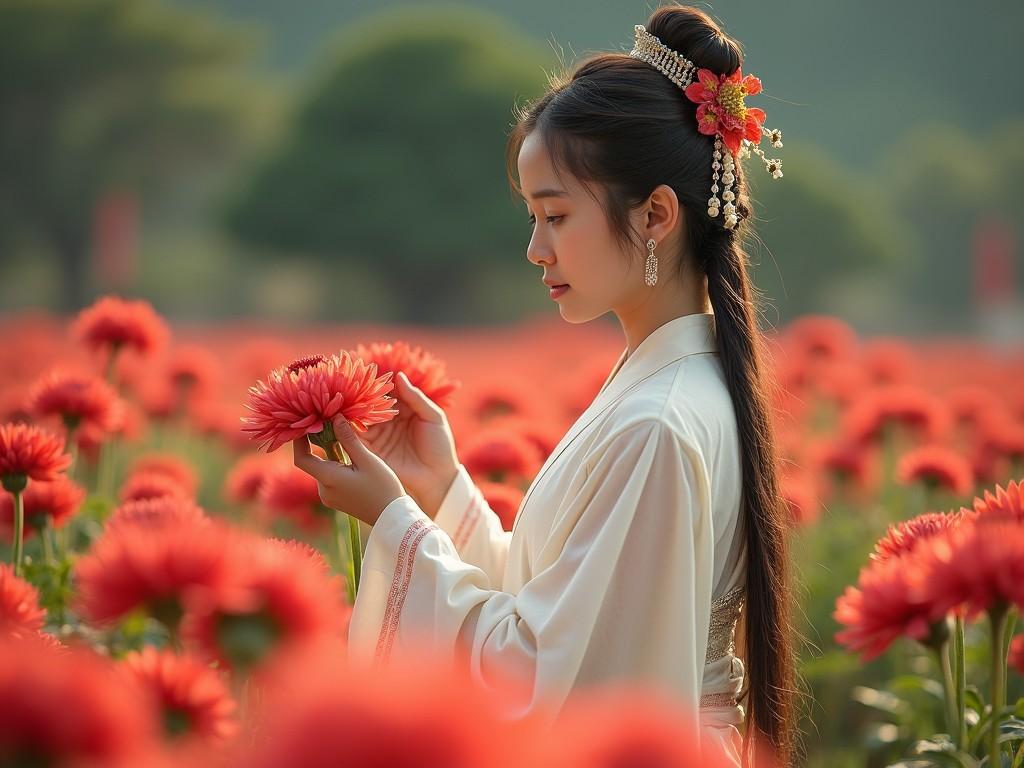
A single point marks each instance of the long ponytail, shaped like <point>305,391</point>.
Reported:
<point>770,677</point>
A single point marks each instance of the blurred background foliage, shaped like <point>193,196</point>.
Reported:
<point>341,161</point>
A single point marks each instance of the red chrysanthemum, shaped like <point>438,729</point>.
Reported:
<point>303,398</point>
<point>277,601</point>
<point>112,323</point>
<point>78,399</point>
<point>424,370</point>
<point>845,465</point>
<point>246,477</point>
<point>293,494</point>
<point>630,726</point>
<point>974,566</point>
<point>19,605</point>
<point>1009,502</point>
<point>901,538</point>
<point>936,466</point>
<point>168,464</point>
<point>193,369</point>
<point>305,549</point>
<point>721,108</point>
<point>151,485</point>
<point>1016,655</point>
<point>69,707</point>
<point>913,408</point>
<point>333,714</point>
<point>503,499</point>
<point>886,604</point>
<point>501,456</point>
<point>192,697</point>
<point>60,499</point>
<point>159,512</point>
<point>154,569</point>
<point>28,451</point>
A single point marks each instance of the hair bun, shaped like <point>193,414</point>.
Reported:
<point>694,34</point>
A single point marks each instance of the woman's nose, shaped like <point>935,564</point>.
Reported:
<point>538,252</point>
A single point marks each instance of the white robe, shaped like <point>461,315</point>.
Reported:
<point>626,535</point>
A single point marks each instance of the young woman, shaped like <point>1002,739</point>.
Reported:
<point>656,524</point>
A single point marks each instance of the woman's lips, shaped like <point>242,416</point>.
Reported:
<point>557,290</point>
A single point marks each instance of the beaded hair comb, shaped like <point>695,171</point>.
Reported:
<point>720,113</point>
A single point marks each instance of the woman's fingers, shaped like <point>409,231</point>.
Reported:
<point>420,404</point>
<point>306,460</point>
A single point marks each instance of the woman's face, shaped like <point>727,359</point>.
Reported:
<point>572,242</point>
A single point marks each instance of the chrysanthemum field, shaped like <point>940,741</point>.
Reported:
<point>174,594</point>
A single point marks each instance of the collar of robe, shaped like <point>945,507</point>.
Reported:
<point>676,339</point>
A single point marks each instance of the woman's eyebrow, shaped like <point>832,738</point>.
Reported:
<point>549,193</point>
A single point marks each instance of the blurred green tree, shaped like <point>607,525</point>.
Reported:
<point>817,227</point>
<point>98,95</point>
<point>396,156</point>
<point>940,180</point>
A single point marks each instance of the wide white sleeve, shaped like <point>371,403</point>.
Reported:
<point>627,595</point>
<point>474,528</point>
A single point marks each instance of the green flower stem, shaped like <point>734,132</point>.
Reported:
<point>336,452</point>
<point>344,559</point>
<point>356,559</point>
<point>997,616</point>
<point>960,673</point>
<point>942,654</point>
<point>19,531</point>
<point>47,534</point>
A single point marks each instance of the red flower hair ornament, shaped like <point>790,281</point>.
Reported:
<point>721,113</point>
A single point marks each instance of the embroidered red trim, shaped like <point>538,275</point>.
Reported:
<point>395,582</point>
<point>390,630</point>
<point>462,523</point>
<point>473,520</point>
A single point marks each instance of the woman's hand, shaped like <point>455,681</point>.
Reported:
<point>417,444</point>
<point>362,489</point>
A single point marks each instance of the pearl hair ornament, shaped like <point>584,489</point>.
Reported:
<point>720,101</point>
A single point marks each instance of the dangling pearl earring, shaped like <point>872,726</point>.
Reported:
<point>651,274</point>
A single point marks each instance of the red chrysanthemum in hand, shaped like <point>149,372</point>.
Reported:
<point>973,567</point>
<point>901,538</point>
<point>1009,502</point>
<point>277,601</point>
<point>59,499</point>
<point>155,569</point>
<point>70,707</point>
<point>150,485</point>
<point>19,606</point>
<point>886,604</point>
<point>78,399</point>
<point>305,397</point>
<point>112,323</point>
<point>160,512</point>
<point>936,466</point>
<point>30,452</point>
<point>503,499</point>
<point>192,697</point>
<point>424,371</point>
<point>721,108</point>
<point>168,464</point>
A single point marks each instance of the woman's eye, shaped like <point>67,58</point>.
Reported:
<point>549,219</point>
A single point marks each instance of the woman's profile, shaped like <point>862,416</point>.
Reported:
<point>651,545</point>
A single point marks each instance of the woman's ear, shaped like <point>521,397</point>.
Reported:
<point>662,214</point>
